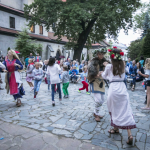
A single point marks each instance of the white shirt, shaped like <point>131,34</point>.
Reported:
<point>148,73</point>
<point>54,72</point>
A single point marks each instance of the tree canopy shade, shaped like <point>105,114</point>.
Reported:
<point>80,19</point>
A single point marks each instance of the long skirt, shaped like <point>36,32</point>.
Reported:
<point>119,106</point>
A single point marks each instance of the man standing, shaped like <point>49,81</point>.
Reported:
<point>31,56</point>
<point>37,58</point>
<point>68,63</point>
<point>97,83</point>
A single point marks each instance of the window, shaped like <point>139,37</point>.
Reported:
<point>12,22</point>
<point>41,29</point>
<point>32,29</point>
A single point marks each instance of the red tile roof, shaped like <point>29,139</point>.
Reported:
<point>16,32</point>
<point>51,36</point>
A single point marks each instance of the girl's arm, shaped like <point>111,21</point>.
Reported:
<point>144,75</point>
<point>105,73</point>
<point>79,79</point>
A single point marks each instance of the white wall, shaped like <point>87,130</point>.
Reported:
<point>20,22</point>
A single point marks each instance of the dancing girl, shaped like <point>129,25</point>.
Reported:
<point>13,79</point>
<point>118,98</point>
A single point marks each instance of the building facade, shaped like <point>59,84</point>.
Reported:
<point>12,21</point>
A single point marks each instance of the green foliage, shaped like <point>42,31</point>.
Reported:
<point>8,49</point>
<point>25,45</point>
<point>140,17</point>
<point>80,19</point>
<point>146,46</point>
<point>145,25</point>
<point>135,49</point>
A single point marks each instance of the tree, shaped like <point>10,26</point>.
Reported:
<point>139,18</point>
<point>145,25</point>
<point>146,45</point>
<point>25,45</point>
<point>135,49</point>
<point>80,19</point>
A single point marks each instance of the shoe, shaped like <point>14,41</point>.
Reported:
<point>97,119</point>
<point>34,96</point>
<point>79,91</point>
<point>65,96</point>
<point>60,99</point>
<point>53,104</point>
<point>88,93</point>
<point>101,117</point>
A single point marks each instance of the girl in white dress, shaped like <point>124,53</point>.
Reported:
<point>118,99</point>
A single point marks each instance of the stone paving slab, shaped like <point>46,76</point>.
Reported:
<point>72,118</point>
<point>22,138</point>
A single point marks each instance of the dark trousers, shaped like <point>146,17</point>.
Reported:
<point>53,90</point>
<point>136,80</point>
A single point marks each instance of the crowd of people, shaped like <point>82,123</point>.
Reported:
<point>93,75</point>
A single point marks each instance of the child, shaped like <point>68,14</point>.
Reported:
<point>47,75</point>
<point>84,80</point>
<point>38,75</point>
<point>74,73</point>
<point>65,81</point>
<point>29,72</point>
<point>2,68</point>
<point>70,71</point>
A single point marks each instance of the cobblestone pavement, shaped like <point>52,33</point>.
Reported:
<point>73,118</point>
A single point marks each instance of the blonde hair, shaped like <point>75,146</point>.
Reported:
<point>85,67</point>
<point>147,63</point>
<point>15,56</point>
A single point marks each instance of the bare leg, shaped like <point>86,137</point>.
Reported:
<point>130,137</point>
<point>148,97</point>
<point>29,83</point>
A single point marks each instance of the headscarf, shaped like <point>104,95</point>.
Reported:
<point>147,63</point>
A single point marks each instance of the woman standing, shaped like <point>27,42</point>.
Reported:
<point>12,79</point>
<point>54,70</point>
<point>118,99</point>
<point>147,77</point>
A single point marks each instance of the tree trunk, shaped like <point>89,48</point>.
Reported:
<point>82,40</point>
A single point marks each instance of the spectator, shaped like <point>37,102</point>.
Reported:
<point>37,58</point>
<point>81,66</point>
<point>68,63</point>
<point>27,61</point>
<point>31,56</point>
<point>139,68</point>
<point>133,73</point>
<point>147,77</point>
<point>129,63</point>
<point>74,73</point>
<point>142,61</point>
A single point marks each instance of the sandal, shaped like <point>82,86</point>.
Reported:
<point>130,140</point>
<point>18,103</point>
<point>101,117</point>
<point>132,89</point>
<point>113,131</point>
<point>1,89</point>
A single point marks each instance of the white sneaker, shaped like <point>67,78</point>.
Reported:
<point>32,88</point>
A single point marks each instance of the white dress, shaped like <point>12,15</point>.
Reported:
<point>118,101</point>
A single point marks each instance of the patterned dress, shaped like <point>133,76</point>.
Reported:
<point>13,78</point>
